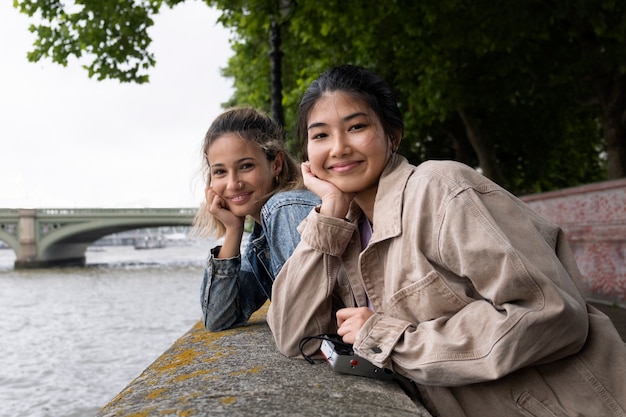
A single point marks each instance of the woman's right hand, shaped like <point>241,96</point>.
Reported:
<point>335,203</point>
<point>217,207</point>
<point>233,224</point>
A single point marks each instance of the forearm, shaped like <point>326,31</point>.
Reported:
<point>301,302</point>
<point>232,243</point>
<point>230,293</point>
<point>302,295</point>
<point>219,293</point>
<point>479,343</point>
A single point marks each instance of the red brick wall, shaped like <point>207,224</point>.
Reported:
<point>594,220</point>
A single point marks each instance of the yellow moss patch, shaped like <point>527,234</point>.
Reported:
<point>191,375</point>
<point>119,398</point>
<point>156,393</point>
<point>259,315</point>
<point>175,361</point>
<point>228,400</point>
<point>139,414</point>
<point>253,370</point>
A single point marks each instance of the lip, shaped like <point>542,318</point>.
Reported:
<point>240,198</point>
<point>344,166</point>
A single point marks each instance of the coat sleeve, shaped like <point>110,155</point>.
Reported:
<point>515,280</point>
<point>302,295</point>
<point>229,294</point>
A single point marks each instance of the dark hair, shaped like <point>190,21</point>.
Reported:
<point>254,126</point>
<point>363,85</point>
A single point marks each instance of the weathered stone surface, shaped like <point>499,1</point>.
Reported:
<point>240,372</point>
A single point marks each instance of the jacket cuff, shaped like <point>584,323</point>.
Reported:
<point>325,234</point>
<point>223,267</point>
<point>377,338</point>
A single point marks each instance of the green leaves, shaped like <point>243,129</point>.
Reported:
<point>531,91</point>
<point>113,33</point>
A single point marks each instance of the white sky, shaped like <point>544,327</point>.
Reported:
<point>70,141</point>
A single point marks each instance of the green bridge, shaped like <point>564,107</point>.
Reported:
<point>59,237</point>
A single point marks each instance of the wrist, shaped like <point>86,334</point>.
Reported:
<point>331,209</point>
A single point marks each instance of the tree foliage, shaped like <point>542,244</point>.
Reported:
<point>532,92</point>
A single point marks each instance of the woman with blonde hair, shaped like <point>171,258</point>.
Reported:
<point>248,172</point>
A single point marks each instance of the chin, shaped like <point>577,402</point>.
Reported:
<point>239,211</point>
<point>347,188</point>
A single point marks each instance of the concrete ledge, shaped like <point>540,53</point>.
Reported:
<point>240,372</point>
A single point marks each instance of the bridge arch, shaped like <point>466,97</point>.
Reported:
<point>55,237</point>
<point>10,240</point>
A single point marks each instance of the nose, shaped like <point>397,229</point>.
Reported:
<point>233,182</point>
<point>340,145</point>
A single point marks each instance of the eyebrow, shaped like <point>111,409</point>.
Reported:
<point>345,119</point>
<point>238,161</point>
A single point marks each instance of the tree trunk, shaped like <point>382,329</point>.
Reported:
<point>485,151</point>
<point>276,56</point>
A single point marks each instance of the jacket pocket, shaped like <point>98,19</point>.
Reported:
<point>426,299</point>
<point>533,407</point>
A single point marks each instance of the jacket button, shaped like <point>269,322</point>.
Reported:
<point>376,349</point>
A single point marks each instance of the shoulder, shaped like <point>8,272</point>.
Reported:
<point>302,197</point>
<point>454,176</point>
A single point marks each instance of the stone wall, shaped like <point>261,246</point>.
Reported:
<point>239,372</point>
<point>593,218</point>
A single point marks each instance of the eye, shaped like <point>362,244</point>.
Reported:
<point>357,126</point>
<point>218,172</point>
<point>319,135</point>
<point>247,166</point>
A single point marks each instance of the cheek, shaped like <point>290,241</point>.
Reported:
<point>316,157</point>
<point>218,185</point>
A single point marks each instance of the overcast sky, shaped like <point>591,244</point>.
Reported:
<point>70,141</point>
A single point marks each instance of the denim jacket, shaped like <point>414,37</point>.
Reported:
<point>234,288</point>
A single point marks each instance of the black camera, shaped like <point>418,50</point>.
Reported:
<point>342,359</point>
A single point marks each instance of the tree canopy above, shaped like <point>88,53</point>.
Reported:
<point>532,92</point>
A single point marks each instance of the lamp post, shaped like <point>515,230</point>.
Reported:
<point>276,56</point>
<point>285,7</point>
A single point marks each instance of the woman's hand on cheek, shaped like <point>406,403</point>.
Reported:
<point>217,207</point>
<point>335,203</point>
<point>350,321</point>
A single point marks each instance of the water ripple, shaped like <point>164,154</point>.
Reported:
<point>73,338</point>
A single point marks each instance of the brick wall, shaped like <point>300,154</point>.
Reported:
<point>594,220</point>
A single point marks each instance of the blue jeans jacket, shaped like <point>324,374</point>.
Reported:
<point>234,288</point>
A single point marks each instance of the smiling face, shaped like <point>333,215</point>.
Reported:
<point>346,143</point>
<point>241,174</point>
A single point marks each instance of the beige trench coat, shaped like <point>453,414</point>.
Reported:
<point>476,298</point>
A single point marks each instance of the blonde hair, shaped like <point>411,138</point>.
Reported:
<point>257,127</point>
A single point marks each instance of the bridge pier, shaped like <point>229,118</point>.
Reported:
<point>27,251</point>
<point>27,257</point>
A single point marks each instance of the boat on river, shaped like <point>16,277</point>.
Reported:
<point>149,242</point>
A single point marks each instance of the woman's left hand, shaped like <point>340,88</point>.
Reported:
<point>350,321</point>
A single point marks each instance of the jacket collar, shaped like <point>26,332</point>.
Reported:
<point>389,196</point>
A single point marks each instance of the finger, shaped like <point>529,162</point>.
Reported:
<point>305,167</point>
<point>216,204</point>
<point>344,314</point>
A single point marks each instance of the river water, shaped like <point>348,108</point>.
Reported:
<point>73,338</point>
